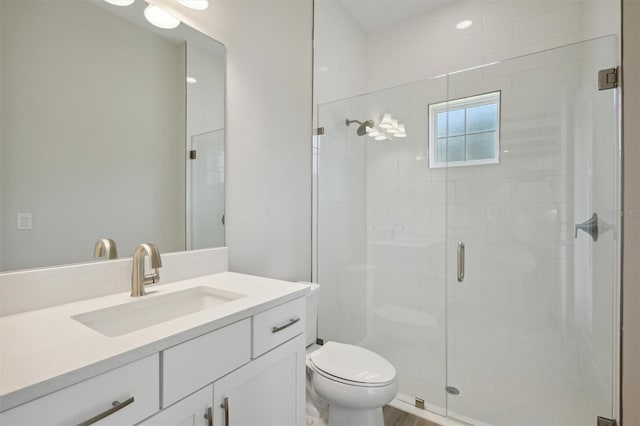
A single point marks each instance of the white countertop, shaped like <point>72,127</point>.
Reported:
<point>46,350</point>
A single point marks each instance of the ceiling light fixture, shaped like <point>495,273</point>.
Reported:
<point>191,80</point>
<point>160,17</point>
<point>463,25</point>
<point>195,4</point>
<point>120,2</point>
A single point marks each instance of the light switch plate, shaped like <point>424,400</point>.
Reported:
<point>25,221</point>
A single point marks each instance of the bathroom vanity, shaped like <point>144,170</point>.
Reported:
<point>233,353</point>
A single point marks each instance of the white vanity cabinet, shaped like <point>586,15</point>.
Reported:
<point>250,372</point>
<point>269,391</point>
<point>194,410</point>
<point>134,386</point>
<point>198,362</point>
<point>257,367</point>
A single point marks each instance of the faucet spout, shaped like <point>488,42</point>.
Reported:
<point>138,277</point>
<point>105,247</point>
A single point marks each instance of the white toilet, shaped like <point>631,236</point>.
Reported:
<point>350,382</point>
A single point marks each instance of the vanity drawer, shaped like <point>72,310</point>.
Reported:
<point>277,325</point>
<point>83,401</point>
<point>200,361</point>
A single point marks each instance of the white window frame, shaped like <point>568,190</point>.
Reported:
<point>456,104</point>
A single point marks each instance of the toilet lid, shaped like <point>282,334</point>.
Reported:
<point>353,363</point>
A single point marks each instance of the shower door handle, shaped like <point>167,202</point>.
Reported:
<point>460,261</point>
<point>590,226</point>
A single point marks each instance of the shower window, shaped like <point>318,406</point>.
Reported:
<point>465,132</point>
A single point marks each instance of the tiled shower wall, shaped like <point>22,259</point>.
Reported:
<point>349,61</point>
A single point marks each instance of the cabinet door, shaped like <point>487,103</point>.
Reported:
<point>269,391</point>
<point>194,410</point>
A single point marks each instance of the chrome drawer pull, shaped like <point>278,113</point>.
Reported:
<point>285,325</point>
<point>209,416</point>
<point>225,406</point>
<point>117,406</point>
<point>460,261</point>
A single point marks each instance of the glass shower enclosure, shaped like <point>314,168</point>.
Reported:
<point>473,242</point>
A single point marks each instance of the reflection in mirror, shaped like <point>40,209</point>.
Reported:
<point>98,121</point>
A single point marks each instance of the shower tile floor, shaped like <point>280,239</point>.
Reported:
<point>503,398</point>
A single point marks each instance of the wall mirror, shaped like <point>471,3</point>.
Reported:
<point>100,112</point>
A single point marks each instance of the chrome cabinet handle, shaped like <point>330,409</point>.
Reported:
<point>460,261</point>
<point>285,325</point>
<point>225,406</point>
<point>209,416</point>
<point>116,407</point>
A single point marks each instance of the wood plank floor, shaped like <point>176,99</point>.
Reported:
<point>395,417</point>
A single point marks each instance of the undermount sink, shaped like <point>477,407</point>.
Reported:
<point>151,310</point>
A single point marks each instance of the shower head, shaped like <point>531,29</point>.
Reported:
<point>362,128</point>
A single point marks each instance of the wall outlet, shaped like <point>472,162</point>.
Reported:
<point>25,221</point>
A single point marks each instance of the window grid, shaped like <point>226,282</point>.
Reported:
<point>463,104</point>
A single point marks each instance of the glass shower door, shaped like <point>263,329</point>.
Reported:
<point>531,326</point>
<point>381,236</point>
<point>207,191</point>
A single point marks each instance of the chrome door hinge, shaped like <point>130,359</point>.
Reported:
<point>318,131</point>
<point>192,154</point>
<point>608,79</point>
<point>603,421</point>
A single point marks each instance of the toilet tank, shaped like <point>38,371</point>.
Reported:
<point>313,298</point>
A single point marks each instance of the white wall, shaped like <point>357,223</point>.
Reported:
<point>71,149</point>
<point>268,191</point>
<point>340,53</point>
<point>340,57</point>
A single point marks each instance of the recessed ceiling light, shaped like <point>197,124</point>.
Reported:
<point>195,4</point>
<point>120,2</point>
<point>191,80</point>
<point>160,17</point>
<point>463,25</point>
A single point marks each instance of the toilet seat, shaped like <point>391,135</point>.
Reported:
<point>352,365</point>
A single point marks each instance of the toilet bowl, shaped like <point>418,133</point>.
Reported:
<point>352,382</point>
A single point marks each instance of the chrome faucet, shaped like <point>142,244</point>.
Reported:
<point>138,277</point>
<point>105,247</point>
